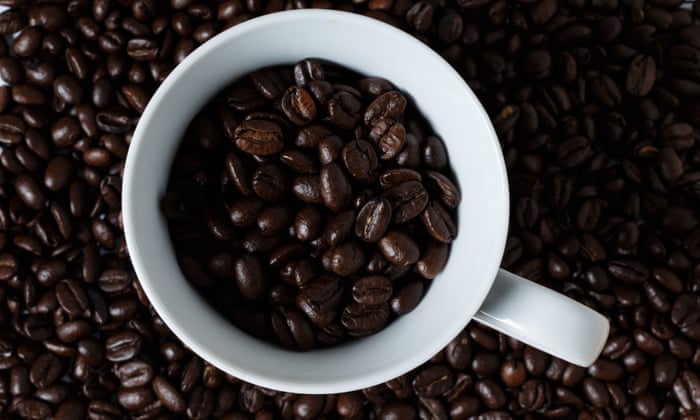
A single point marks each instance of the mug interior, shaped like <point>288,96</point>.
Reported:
<point>371,48</point>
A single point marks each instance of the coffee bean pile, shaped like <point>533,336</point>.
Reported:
<point>328,179</point>
<point>597,106</point>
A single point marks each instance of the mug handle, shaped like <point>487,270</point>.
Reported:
<point>544,319</point>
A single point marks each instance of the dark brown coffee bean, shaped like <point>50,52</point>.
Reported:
<point>142,49</point>
<point>628,271</point>
<point>390,137</point>
<point>33,409</point>
<point>407,297</point>
<point>433,381</point>
<point>292,329</point>
<point>647,343</point>
<point>344,110</point>
<point>168,395</point>
<point>29,192</point>
<point>335,187</point>
<point>432,260</point>
<point>72,331</point>
<point>392,177</point>
<point>344,259</point>
<point>307,70</point>
<point>361,320</point>
<point>371,290</point>
<point>360,159</point>
<point>298,105</point>
<point>443,188</point>
<point>606,91</point>
<point>244,212</point>
<point>259,137</point>
<point>407,200</point>
<point>45,370</point>
<point>98,409</point>
<point>268,82</point>
<point>373,220</point>
<point>11,21</point>
<point>339,228</point>
<point>320,298</point>
<point>10,68</point>
<point>299,273</point>
<point>308,223</point>
<point>330,149</point>
<point>390,105</point>
<point>677,219</point>
<point>134,398</point>
<point>399,248</point>
<point>250,278</point>
<point>274,218</point>
<point>134,373</point>
<point>122,346</point>
<point>72,297</point>
<point>270,183</point>
<point>490,393</point>
<point>300,161</point>
<point>439,223</point>
<point>27,42</point>
<point>641,75</point>
<point>70,409</point>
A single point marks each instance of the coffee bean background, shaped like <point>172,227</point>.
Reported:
<point>596,104</point>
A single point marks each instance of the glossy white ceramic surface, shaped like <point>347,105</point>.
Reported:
<point>371,48</point>
<point>544,318</point>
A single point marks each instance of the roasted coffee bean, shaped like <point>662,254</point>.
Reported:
<point>308,223</point>
<point>299,161</point>
<point>408,199</point>
<point>29,192</point>
<point>335,187</point>
<point>407,297</point>
<point>361,320</point>
<point>443,188</point>
<point>390,137</point>
<point>168,395</point>
<point>330,149</point>
<point>360,159</point>
<point>433,259</point>
<point>490,393</point>
<point>292,329</point>
<point>373,220</point>
<point>72,297</point>
<point>372,290</point>
<point>268,82</point>
<point>345,259</point>
<point>307,70</point>
<point>122,346</point>
<point>298,105</point>
<point>320,298</point>
<point>270,182</point>
<point>389,105</point>
<point>250,278</point>
<point>399,248</point>
<point>33,409</point>
<point>439,223</point>
<point>45,370</point>
<point>344,110</point>
<point>259,137</point>
<point>134,373</point>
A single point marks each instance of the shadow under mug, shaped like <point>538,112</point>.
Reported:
<point>471,286</point>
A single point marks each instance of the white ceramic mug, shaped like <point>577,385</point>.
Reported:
<point>470,287</point>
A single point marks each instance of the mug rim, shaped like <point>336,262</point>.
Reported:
<point>130,209</point>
